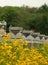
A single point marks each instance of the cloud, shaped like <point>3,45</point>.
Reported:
<point>31,3</point>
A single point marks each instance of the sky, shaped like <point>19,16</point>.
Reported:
<point>30,3</point>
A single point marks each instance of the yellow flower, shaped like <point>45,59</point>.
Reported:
<point>7,64</point>
<point>15,43</point>
<point>10,55</point>
<point>10,47</point>
<point>26,42</point>
<point>14,57</point>
<point>8,52</point>
<point>1,60</point>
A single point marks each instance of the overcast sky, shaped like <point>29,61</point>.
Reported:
<point>31,3</point>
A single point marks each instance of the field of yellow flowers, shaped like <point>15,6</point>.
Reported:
<point>18,52</point>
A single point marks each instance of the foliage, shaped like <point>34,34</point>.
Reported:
<point>26,17</point>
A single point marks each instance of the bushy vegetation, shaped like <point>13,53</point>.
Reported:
<point>26,17</point>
